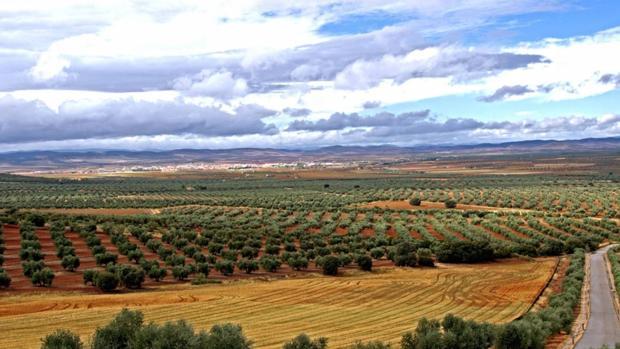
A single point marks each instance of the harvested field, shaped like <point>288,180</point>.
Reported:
<point>345,308</point>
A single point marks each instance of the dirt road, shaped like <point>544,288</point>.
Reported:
<point>604,325</point>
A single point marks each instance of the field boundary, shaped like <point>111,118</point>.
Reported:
<point>543,288</point>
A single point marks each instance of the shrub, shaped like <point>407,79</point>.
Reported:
<point>30,254</point>
<point>105,258</point>
<point>405,255</point>
<point>249,252</point>
<point>450,204</point>
<point>130,276</point>
<point>457,251</point>
<point>247,265</point>
<point>156,273</point>
<point>303,341</point>
<point>415,201</point>
<point>36,219</point>
<point>203,268</point>
<point>89,276</point>
<point>62,339</point>
<point>298,262</point>
<point>370,345</point>
<point>43,277</point>
<point>377,252</point>
<point>5,279</point>
<point>119,332</point>
<point>180,272</point>
<point>30,267</point>
<point>135,255</point>
<point>425,257</point>
<point>364,262</point>
<point>272,249</point>
<point>225,267</point>
<point>330,265</point>
<point>70,262</point>
<point>227,336</point>
<point>269,263</point>
<point>200,279</point>
<point>106,281</point>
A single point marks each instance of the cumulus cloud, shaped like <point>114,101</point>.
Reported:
<point>124,118</point>
<point>339,121</point>
<point>430,62</point>
<point>610,79</point>
<point>50,67</point>
<point>390,127</point>
<point>371,104</point>
<point>219,84</point>
<point>505,92</point>
<point>297,112</point>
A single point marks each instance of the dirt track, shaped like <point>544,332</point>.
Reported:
<point>604,325</point>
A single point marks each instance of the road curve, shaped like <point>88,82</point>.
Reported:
<point>603,326</point>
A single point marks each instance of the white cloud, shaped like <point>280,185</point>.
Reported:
<point>50,67</point>
<point>220,84</point>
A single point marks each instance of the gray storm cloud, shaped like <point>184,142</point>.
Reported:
<point>27,121</point>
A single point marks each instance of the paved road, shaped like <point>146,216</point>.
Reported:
<point>604,326</point>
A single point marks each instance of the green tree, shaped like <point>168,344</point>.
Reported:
<point>364,262</point>
<point>247,265</point>
<point>5,279</point>
<point>62,339</point>
<point>70,262</point>
<point>106,281</point>
<point>43,277</point>
<point>303,341</point>
<point>119,332</point>
<point>330,265</point>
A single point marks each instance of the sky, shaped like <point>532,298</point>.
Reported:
<point>159,75</point>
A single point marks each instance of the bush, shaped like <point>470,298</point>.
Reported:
<point>5,279</point>
<point>62,339</point>
<point>180,272</point>
<point>247,265</point>
<point>450,204</point>
<point>458,251</point>
<point>200,279</point>
<point>119,332</point>
<point>30,267</point>
<point>303,341</point>
<point>330,265</point>
<point>225,267</point>
<point>105,258</point>
<point>425,257</point>
<point>157,273</point>
<point>364,262</point>
<point>405,255</point>
<point>36,219</point>
<point>89,276</point>
<point>269,263</point>
<point>298,262</point>
<point>30,254</point>
<point>106,281</point>
<point>370,345</point>
<point>70,262</point>
<point>227,336</point>
<point>130,276</point>
<point>43,277</point>
<point>415,201</point>
<point>377,252</point>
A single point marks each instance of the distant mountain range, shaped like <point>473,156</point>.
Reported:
<point>56,160</point>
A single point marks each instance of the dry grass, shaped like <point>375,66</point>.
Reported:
<point>359,306</point>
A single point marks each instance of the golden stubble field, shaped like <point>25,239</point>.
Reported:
<point>358,306</point>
